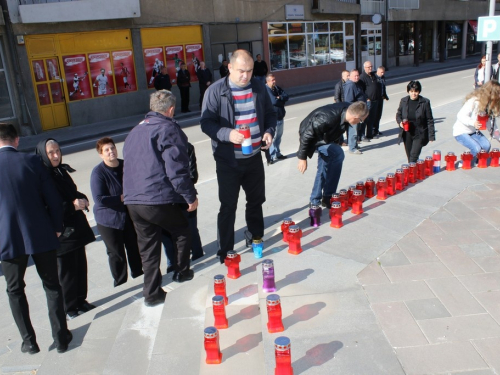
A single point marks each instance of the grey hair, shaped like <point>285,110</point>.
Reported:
<point>51,142</point>
<point>161,101</point>
<point>359,109</point>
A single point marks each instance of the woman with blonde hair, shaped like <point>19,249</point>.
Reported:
<point>486,100</point>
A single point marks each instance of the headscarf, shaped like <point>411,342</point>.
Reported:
<point>41,150</point>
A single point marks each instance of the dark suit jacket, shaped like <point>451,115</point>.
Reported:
<point>30,208</point>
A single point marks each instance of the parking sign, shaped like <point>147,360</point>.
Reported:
<point>488,29</point>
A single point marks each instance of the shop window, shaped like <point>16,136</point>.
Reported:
<point>349,29</point>
<point>336,26</point>
<point>406,44</point>
<point>277,28</point>
<point>298,51</point>
<point>278,46</point>
<point>321,27</point>
<point>337,47</point>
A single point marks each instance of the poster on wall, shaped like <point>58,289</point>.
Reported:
<point>43,94</point>
<point>39,70</point>
<point>56,91</point>
<point>194,54</point>
<point>77,80</point>
<point>175,57</point>
<point>101,74</point>
<point>153,62</point>
<point>123,63</point>
<point>53,68</point>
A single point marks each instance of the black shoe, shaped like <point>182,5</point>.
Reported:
<point>85,307</point>
<point>270,162</point>
<point>185,276</point>
<point>379,133</point>
<point>71,315</point>
<point>30,348</point>
<point>325,202</point>
<point>156,301</point>
<point>61,348</point>
<point>170,269</point>
<point>137,274</point>
<point>282,157</point>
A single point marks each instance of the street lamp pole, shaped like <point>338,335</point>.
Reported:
<point>489,47</point>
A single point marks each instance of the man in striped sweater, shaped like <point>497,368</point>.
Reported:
<point>230,103</point>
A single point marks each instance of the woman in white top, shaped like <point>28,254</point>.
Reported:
<point>479,74</point>
<point>466,128</point>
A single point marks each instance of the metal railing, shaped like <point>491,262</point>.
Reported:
<point>404,4</point>
<point>372,6</point>
<point>30,2</point>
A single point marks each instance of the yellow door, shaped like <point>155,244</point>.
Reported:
<point>49,91</point>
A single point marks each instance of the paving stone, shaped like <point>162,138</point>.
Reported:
<point>416,250</point>
<point>440,358</point>
<point>455,297</point>
<point>460,210</point>
<point>488,348</point>
<point>473,372</point>
<point>481,282</point>
<point>455,259</point>
<point>373,274</point>
<point>427,309</point>
<point>442,216</point>
<point>398,324</point>
<point>489,264</point>
<point>407,290</point>
<point>418,271</point>
<point>491,302</point>
<point>490,236</point>
<point>484,202</point>
<point>478,250</point>
<point>461,226</point>
<point>428,228</point>
<point>492,215</point>
<point>393,257</point>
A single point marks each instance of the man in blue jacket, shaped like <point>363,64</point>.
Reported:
<point>31,218</point>
<point>353,92</point>
<point>156,188</point>
<point>278,97</point>
<point>229,103</point>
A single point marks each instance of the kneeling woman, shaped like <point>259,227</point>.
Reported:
<point>466,129</point>
<point>417,111</point>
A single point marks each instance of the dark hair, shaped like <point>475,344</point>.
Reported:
<point>8,132</point>
<point>480,65</point>
<point>103,141</point>
<point>414,85</point>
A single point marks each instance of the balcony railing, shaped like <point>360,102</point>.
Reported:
<point>372,6</point>
<point>29,2</point>
<point>404,4</point>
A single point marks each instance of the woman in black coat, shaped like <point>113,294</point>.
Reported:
<point>417,110</point>
<point>71,257</point>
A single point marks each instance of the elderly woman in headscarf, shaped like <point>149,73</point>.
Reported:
<point>71,257</point>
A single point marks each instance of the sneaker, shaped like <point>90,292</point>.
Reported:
<point>357,152</point>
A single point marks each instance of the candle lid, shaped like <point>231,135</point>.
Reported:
<point>219,279</point>
<point>257,241</point>
<point>282,343</point>
<point>357,192</point>
<point>420,161</point>
<point>342,192</point>
<point>335,195</point>
<point>428,158</point>
<point>481,152</point>
<point>231,254</point>
<point>352,187</point>
<point>243,127</point>
<point>267,263</point>
<point>287,220</point>
<point>405,166</point>
<point>494,150</point>
<point>467,152</point>
<point>412,165</point>
<point>336,205</point>
<point>210,332</point>
<point>360,183</point>
<point>273,300</point>
<point>369,179</point>
<point>218,300</point>
<point>381,179</point>
<point>390,175</point>
<point>314,207</point>
<point>293,229</point>
<point>399,171</point>
<point>437,152</point>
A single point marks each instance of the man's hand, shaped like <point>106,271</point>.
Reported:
<point>268,139</point>
<point>193,206</point>
<point>302,166</point>
<point>80,204</point>
<point>236,137</point>
<point>58,234</point>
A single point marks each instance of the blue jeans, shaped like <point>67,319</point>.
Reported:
<point>475,142</point>
<point>352,138</point>
<point>274,150</point>
<point>330,159</point>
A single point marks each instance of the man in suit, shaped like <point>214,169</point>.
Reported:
<point>31,213</point>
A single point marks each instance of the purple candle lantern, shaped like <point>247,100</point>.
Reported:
<point>315,216</point>
<point>268,284</point>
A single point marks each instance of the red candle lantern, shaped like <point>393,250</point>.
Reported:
<point>482,117</point>
<point>412,174</point>
<point>391,184</point>
<point>349,195</point>
<point>343,199</point>
<point>382,189</point>
<point>369,188</point>
<point>482,158</point>
<point>360,185</point>
<point>294,236</point>
<point>399,179</point>
<point>211,343</point>
<point>220,287</point>
<point>283,355</point>
<point>287,221</point>
<point>406,173</point>
<point>420,169</point>
<point>232,263</point>
<point>219,312</point>
<point>274,322</point>
<point>335,198</point>
<point>336,215</point>
<point>466,159</point>
<point>494,155</point>
<point>429,164</point>
<point>357,202</point>
<point>450,160</point>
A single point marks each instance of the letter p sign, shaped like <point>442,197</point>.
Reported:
<point>488,29</point>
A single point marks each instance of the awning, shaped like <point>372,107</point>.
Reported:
<point>473,25</point>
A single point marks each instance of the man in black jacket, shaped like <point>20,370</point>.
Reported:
<point>321,130</point>
<point>381,80</point>
<point>338,95</point>
<point>162,80</point>
<point>372,88</point>
<point>204,79</point>
<point>260,69</point>
<point>278,97</point>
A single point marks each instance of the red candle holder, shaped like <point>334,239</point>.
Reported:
<point>483,117</point>
<point>335,198</point>
<point>429,164</point>
<point>360,185</point>
<point>220,287</point>
<point>287,221</point>
<point>466,159</point>
<point>412,175</point>
<point>494,155</point>
<point>482,158</point>
<point>212,348</point>
<point>399,179</point>
<point>369,188</point>
<point>349,195</point>
<point>391,183</point>
<point>232,263</point>
<point>406,174</point>
<point>336,215</point>
<point>450,160</point>
<point>343,199</point>
<point>420,169</point>
<point>219,312</point>
<point>294,236</point>
<point>357,202</point>
<point>274,322</point>
<point>382,189</point>
<point>283,354</point>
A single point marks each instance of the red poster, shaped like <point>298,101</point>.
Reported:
<point>175,57</point>
<point>43,94</point>
<point>39,70</point>
<point>123,63</point>
<point>77,80</point>
<point>153,61</point>
<point>53,68</point>
<point>56,90</point>
<point>194,54</point>
<point>102,76</point>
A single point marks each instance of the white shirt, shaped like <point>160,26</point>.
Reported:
<point>466,118</point>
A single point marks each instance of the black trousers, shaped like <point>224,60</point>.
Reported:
<point>46,266</point>
<point>203,88</point>
<point>184,98</point>
<point>413,147</point>
<point>116,242</point>
<point>149,222</point>
<point>249,174</point>
<point>72,268</point>
<point>376,123</point>
<point>367,125</point>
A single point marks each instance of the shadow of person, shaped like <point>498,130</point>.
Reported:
<point>303,313</point>
<point>244,292</point>
<point>243,345</point>
<point>245,313</point>
<point>294,278</point>
<point>316,242</point>
<point>317,356</point>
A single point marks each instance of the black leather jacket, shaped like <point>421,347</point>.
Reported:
<point>322,126</point>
